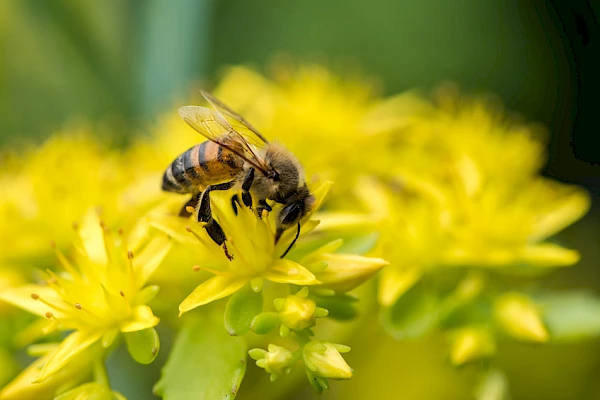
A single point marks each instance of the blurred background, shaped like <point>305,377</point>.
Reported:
<point>121,64</point>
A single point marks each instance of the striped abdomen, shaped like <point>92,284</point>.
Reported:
<point>205,164</point>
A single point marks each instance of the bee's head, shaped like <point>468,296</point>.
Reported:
<point>285,173</point>
<point>299,205</point>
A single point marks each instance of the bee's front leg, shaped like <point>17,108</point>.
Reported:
<point>212,227</point>
<point>246,185</point>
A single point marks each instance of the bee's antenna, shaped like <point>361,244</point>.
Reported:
<point>293,241</point>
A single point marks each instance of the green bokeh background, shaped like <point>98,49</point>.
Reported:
<point>122,63</point>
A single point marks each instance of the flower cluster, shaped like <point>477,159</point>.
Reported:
<point>443,199</point>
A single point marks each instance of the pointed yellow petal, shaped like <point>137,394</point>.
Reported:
<point>92,238</point>
<point>213,289</point>
<point>344,272</point>
<point>549,255</point>
<point>142,318</point>
<point>395,282</point>
<point>287,271</point>
<point>344,220</point>
<point>150,258</point>
<point>520,317</point>
<point>69,348</point>
<point>567,209</point>
<point>21,297</point>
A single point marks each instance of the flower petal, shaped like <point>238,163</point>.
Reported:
<point>150,258</point>
<point>344,272</point>
<point>142,318</point>
<point>72,345</point>
<point>21,297</point>
<point>396,281</point>
<point>549,255</point>
<point>92,238</point>
<point>213,289</point>
<point>287,271</point>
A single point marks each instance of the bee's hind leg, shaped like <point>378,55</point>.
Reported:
<point>212,227</point>
<point>193,202</point>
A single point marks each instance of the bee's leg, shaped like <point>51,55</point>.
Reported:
<point>293,241</point>
<point>246,185</point>
<point>193,202</point>
<point>212,227</point>
<point>235,201</point>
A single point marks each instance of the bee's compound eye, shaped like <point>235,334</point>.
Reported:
<point>290,214</point>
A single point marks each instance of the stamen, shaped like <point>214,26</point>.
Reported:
<point>269,227</point>
<point>190,209</point>
<point>49,315</point>
<point>120,231</point>
<point>190,230</point>
<point>35,296</point>
<point>121,293</point>
<point>78,306</point>
<point>49,304</point>
<point>237,251</point>
<point>130,255</point>
<point>197,268</point>
<point>63,261</point>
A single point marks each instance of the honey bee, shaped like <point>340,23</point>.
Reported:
<point>237,156</point>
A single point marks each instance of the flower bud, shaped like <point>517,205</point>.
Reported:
<point>519,317</point>
<point>324,359</point>
<point>277,361</point>
<point>471,344</point>
<point>298,312</point>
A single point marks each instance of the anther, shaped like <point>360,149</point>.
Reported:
<point>78,306</point>
<point>196,268</point>
<point>264,214</point>
<point>102,224</point>
<point>49,315</point>
<point>120,231</point>
<point>53,280</point>
<point>130,255</point>
<point>187,228</point>
<point>190,209</point>
<point>35,296</point>
<point>75,226</point>
<point>121,293</point>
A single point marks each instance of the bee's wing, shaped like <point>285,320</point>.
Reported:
<point>226,111</point>
<point>212,125</point>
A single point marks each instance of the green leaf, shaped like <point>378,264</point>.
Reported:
<point>205,363</point>
<point>143,346</point>
<point>571,316</point>
<point>265,322</point>
<point>413,315</point>
<point>342,307</point>
<point>241,309</point>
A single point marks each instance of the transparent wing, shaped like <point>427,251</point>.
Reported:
<point>226,111</point>
<point>212,125</point>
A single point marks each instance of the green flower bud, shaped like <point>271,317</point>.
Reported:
<point>324,359</point>
<point>277,361</point>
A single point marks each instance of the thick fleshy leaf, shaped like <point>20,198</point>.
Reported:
<point>22,297</point>
<point>344,272</point>
<point>571,316</point>
<point>142,318</point>
<point>143,346</point>
<point>342,307</point>
<point>241,309</point>
<point>413,315</point>
<point>72,345</point>
<point>395,281</point>
<point>213,289</point>
<point>287,271</point>
<point>150,258</point>
<point>205,363</point>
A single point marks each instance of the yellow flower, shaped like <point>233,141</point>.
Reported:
<point>471,344</point>
<point>75,371</point>
<point>98,296</point>
<point>277,361</point>
<point>251,242</point>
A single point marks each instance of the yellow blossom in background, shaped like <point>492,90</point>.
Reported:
<point>97,296</point>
